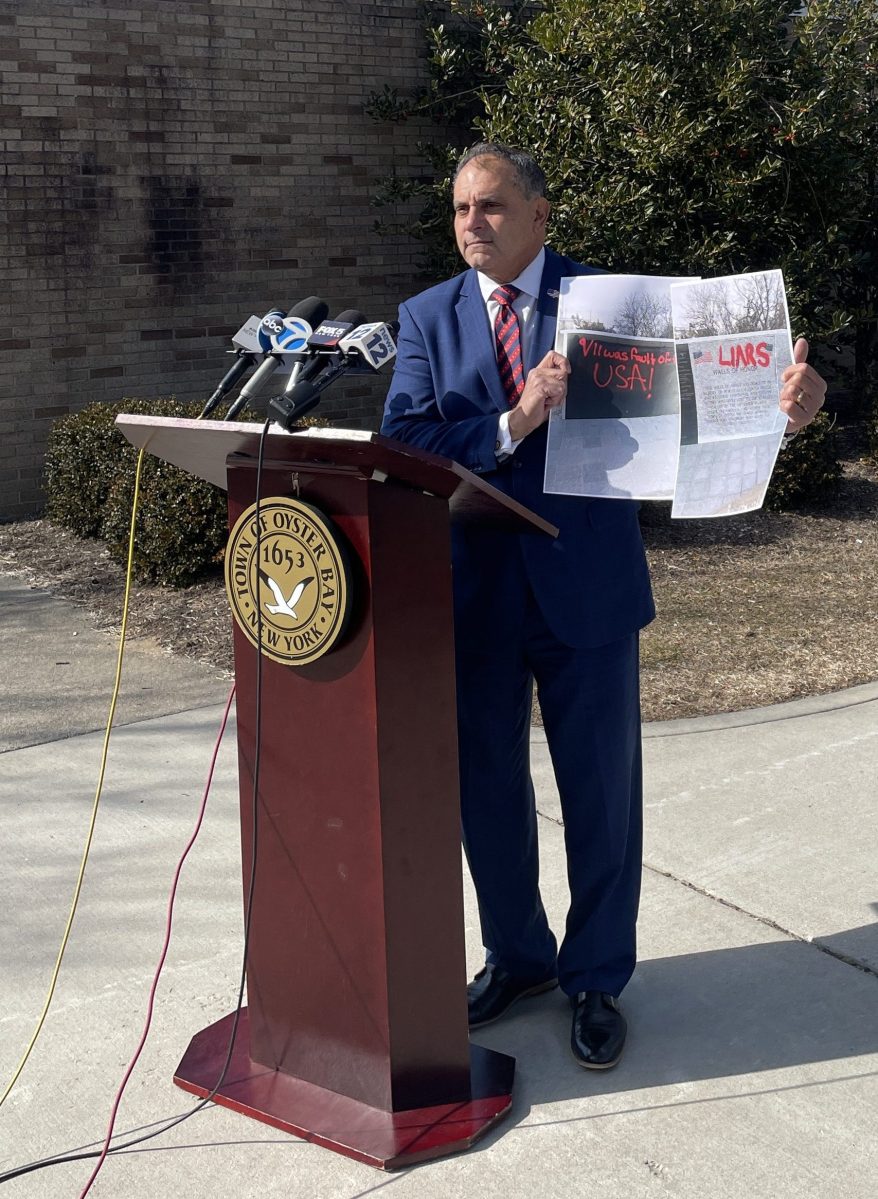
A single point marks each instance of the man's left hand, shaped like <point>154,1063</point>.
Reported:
<point>803,391</point>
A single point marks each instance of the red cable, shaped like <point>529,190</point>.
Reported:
<point>164,953</point>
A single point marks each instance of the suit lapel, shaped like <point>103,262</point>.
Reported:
<point>476,335</point>
<point>546,315</point>
<point>476,338</point>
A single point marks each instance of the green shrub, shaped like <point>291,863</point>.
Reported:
<point>90,467</point>
<point>702,137</point>
<point>808,470</point>
<point>82,460</point>
<point>869,401</point>
<point>182,523</point>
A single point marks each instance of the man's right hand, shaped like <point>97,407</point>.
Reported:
<point>545,389</point>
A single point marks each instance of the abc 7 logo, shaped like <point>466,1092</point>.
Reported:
<point>287,336</point>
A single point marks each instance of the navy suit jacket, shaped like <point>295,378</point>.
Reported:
<point>592,582</point>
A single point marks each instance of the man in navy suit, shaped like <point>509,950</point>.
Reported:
<point>475,382</point>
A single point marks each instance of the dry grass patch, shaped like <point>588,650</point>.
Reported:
<point>764,608</point>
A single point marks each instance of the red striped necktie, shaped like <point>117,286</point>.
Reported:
<point>507,334</point>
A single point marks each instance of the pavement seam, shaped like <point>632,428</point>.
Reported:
<point>659,735</point>
<point>117,724</point>
<point>766,921</point>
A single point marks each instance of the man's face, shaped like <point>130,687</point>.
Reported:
<point>498,229</point>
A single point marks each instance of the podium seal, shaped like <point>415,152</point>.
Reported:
<point>298,588</point>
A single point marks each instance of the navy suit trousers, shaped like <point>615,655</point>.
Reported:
<point>591,712</point>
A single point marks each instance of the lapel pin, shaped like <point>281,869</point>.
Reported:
<point>553,293</point>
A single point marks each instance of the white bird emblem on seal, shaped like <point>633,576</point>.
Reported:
<point>283,606</point>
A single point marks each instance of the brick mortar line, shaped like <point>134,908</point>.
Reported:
<point>764,920</point>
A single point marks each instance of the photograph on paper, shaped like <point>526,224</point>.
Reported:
<point>617,433</point>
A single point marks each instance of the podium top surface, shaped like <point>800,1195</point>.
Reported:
<point>202,448</point>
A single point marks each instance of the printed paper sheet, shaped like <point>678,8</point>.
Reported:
<point>673,390</point>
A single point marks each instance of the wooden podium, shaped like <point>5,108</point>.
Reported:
<point>355,1035</point>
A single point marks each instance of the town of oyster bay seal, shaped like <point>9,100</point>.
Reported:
<point>287,578</point>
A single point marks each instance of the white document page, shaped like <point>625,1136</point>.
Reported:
<point>733,345</point>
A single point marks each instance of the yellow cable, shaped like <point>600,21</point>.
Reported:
<point>94,811</point>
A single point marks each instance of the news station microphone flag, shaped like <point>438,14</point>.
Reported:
<point>253,344</point>
<point>325,340</point>
<point>366,348</point>
<point>289,335</point>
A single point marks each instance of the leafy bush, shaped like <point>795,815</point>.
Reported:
<point>693,136</point>
<point>82,460</point>
<point>90,468</point>
<point>870,406</point>
<point>182,525</point>
<point>807,470</point>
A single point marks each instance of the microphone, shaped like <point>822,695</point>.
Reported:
<point>330,333</point>
<point>252,345</point>
<point>323,342</point>
<point>288,335</point>
<point>253,334</point>
<point>289,407</point>
<point>368,346</point>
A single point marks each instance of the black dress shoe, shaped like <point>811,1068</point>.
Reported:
<point>599,1029</point>
<point>493,991</point>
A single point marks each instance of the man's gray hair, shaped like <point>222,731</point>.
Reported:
<point>529,174</point>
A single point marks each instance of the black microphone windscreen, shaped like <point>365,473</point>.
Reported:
<point>312,309</point>
<point>350,316</point>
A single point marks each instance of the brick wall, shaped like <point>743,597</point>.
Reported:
<point>170,168</point>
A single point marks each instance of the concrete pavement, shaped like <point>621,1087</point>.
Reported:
<point>752,1064</point>
<point>58,672</point>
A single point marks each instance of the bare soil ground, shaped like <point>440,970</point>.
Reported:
<point>753,610</point>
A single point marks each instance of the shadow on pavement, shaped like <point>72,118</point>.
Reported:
<point>728,1012</point>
